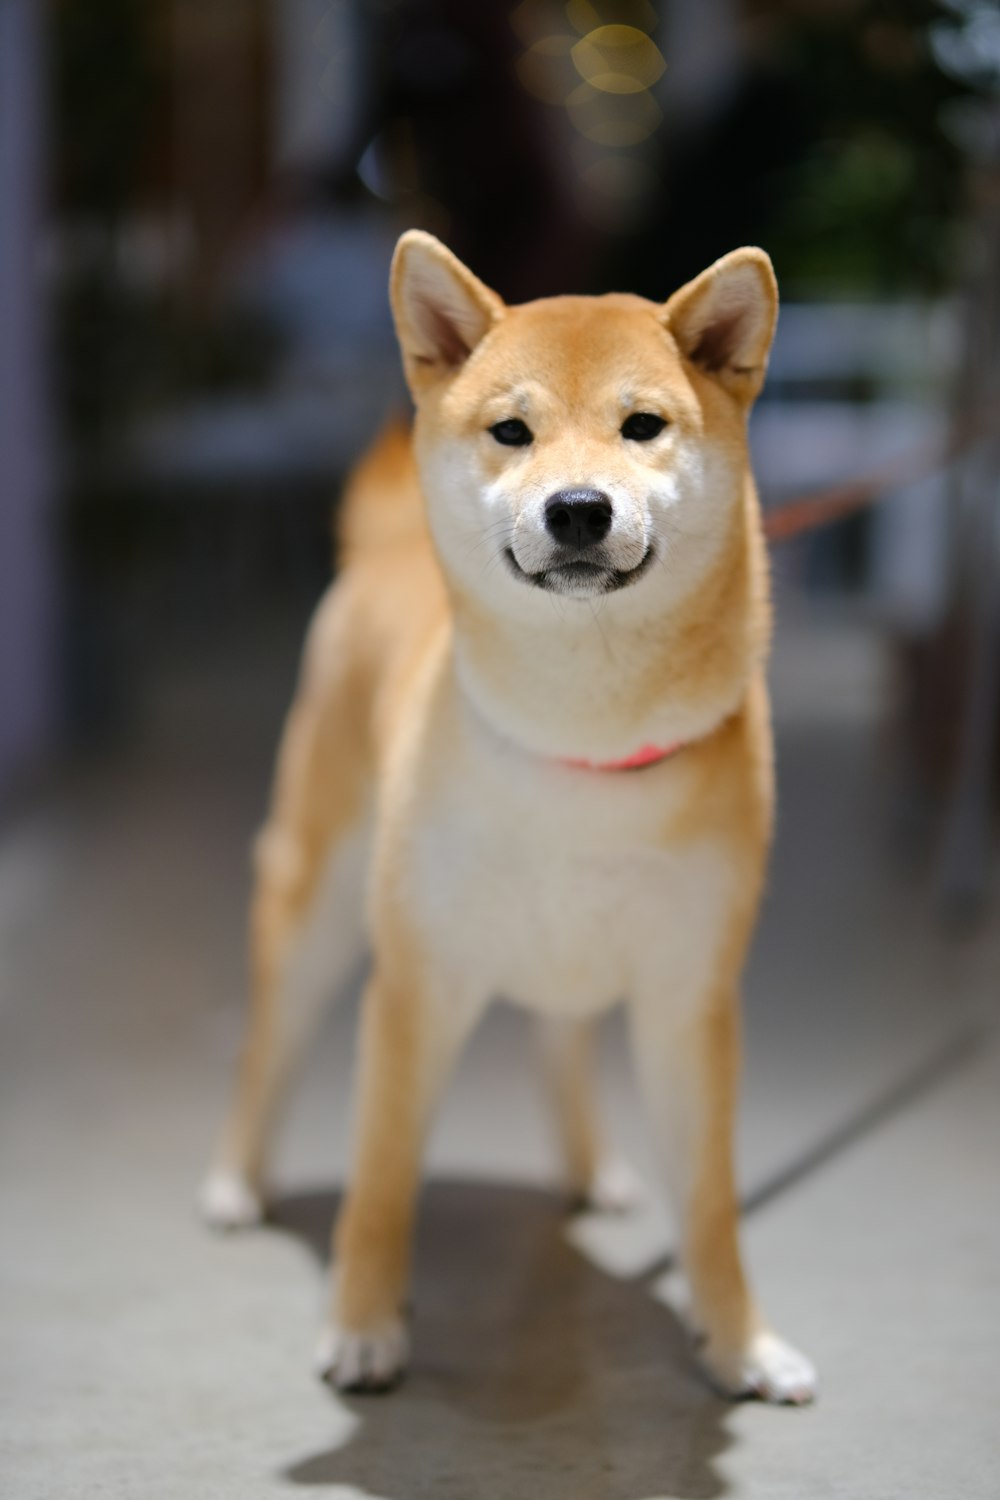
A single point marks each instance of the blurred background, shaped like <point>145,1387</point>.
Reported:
<point>198,204</point>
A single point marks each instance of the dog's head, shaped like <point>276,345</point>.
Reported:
<point>581,446</point>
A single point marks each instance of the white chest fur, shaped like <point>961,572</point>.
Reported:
<point>557,887</point>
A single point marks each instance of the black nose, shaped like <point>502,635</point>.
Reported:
<point>578,518</point>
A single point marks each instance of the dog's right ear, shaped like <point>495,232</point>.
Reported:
<point>441,310</point>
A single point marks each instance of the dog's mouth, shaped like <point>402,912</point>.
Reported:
<point>579,576</point>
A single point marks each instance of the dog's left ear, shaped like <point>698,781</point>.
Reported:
<point>441,310</point>
<point>724,320</point>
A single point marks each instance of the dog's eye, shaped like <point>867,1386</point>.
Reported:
<point>641,426</point>
<point>513,433</point>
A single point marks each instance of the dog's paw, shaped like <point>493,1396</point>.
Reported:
<point>363,1363</point>
<point>228,1201</point>
<point>768,1369</point>
<point>614,1189</point>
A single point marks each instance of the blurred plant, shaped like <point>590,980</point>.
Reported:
<point>875,202</point>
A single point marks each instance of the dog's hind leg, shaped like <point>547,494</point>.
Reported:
<point>306,935</point>
<point>594,1176</point>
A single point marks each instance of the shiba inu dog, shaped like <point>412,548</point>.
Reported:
<point>530,757</point>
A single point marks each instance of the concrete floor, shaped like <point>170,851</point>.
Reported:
<point>142,1358</point>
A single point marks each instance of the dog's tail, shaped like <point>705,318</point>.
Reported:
<point>382,504</point>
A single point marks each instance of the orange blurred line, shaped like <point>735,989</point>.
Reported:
<point>809,512</point>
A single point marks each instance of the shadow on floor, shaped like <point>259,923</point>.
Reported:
<point>535,1374</point>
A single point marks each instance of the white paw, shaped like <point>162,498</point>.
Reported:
<point>369,1361</point>
<point>767,1368</point>
<point>615,1188</point>
<point>228,1201</point>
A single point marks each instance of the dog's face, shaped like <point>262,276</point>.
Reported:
<point>586,447</point>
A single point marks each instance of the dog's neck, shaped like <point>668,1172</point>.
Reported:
<point>599,687</point>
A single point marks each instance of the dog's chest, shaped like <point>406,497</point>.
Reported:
<point>557,888</point>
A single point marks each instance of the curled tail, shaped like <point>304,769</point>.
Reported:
<point>382,504</point>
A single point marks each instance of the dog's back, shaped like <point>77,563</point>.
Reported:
<point>388,599</point>
<point>381,506</point>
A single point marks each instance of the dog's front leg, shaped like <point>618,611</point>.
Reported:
<point>688,1064</point>
<point>409,1040</point>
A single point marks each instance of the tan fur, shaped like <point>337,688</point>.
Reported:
<point>444,687</point>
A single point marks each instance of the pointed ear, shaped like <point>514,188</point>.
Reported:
<point>441,310</point>
<point>724,320</point>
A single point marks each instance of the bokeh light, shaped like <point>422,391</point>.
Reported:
<point>618,60</point>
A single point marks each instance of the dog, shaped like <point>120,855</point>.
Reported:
<point>530,756</point>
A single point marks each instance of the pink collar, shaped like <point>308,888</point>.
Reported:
<point>646,755</point>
